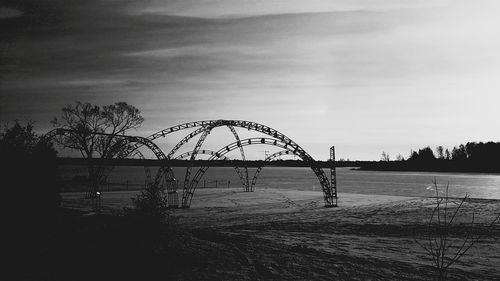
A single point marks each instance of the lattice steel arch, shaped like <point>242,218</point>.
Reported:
<point>208,125</point>
<point>188,154</point>
<point>269,158</point>
<point>211,152</point>
<point>328,195</point>
<point>204,130</point>
<point>257,172</point>
<point>211,124</point>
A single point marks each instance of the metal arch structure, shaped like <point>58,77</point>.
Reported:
<point>278,139</point>
<point>328,194</point>
<point>205,131</point>
<point>246,183</point>
<point>242,177</point>
<point>188,154</point>
<point>208,125</point>
<point>198,145</point>
<point>269,158</point>
<point>211,124</point>
<point>329,190</point>
<point>184,140</point>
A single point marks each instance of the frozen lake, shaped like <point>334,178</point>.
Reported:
<point>349,181</point>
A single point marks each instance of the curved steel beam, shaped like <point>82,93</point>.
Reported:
<point>269,158</point>
<point>164,172</point>
<point>206,130</point>
<point>286,142</point>
<point>217,123</point>
<point>299,151</point>
<point>203,152</point>
<point>242,152</point>
<point>211,152</point>
<point>328,196</point>
<point>176,128</point>
<point>210,124</point>
<point>185,140</point>
<point>197,147</point>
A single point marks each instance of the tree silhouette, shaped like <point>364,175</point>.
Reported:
<point>423,155</point>
<point>31,181</point>
<point>385,157</point>
<point>87,122</point>
<point>440,152</point>
<point>459,153</point>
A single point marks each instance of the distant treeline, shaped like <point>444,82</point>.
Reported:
<point>471,157</point>
<point>194,163</point>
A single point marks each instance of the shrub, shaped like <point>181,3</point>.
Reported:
<point>151,207</point>
<point>437,240</point>
<point>30,178</point>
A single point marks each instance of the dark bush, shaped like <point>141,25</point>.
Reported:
<point>30,179</point>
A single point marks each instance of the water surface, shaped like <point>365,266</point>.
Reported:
<point>351,181</point>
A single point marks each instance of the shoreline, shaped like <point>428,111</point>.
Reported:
<point>226,198</point>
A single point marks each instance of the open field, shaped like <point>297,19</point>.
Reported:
<point>287,234</point>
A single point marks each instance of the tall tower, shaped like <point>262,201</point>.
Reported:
<point>333,175</point>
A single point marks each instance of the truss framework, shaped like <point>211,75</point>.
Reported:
<point>166,175</point>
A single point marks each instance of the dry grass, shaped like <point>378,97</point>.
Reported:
<point>284,235</point>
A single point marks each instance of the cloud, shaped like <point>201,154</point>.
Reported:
<point>358,63</point>
<point>241,8</point>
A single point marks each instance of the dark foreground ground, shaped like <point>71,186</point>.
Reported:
<point>300,242</point>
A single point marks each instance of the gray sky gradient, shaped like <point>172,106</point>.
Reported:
<point>366,76</point>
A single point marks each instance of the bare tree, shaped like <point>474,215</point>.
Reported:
<point>385,156</point>
<point>437,240</point>
<point>88,122</point>
<point>440,152</point>
<point>447,154</point>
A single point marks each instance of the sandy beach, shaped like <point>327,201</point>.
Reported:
<point>289,235</point>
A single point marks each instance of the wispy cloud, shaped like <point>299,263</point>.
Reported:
<point>239,8</point>
<point>349,72</point>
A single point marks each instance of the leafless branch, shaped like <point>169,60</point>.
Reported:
<point>438,245</point>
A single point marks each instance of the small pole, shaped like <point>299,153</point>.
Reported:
<point>215,183</point>
<point>228,184</point>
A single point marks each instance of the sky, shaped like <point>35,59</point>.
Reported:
<point>363,75</point>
